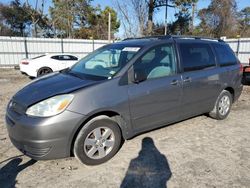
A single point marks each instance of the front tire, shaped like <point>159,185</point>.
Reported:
<point>98,141</point>
<point>222,106</point>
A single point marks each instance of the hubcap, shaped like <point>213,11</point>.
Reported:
<point>99,143</point>
<point>44,71</point>
<point>224,105</point>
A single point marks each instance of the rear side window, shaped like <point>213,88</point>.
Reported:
<point>64,57</point>
<point>73,57</point>
<point>196,56</point>
<point>225,55</point>
<point>56,57</point>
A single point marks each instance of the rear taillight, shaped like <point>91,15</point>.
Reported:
<point>241,67</point>
<point>247,69</point>
<point>25,62</point>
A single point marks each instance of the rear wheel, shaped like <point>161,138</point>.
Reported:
<point>43,71</point>
<point>222,106</point>
<point>98,141</point>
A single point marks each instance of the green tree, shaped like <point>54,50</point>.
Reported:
<point>5,30</point>
<point>62,14</point>
<point>244,21</point>
<point>183,15</point>
<point>68,14</point>
<point>78,19</point>
<point>181,25</point>
<point>219,19</point>
<point>97,25</point>
<point>23,20</point>
<point>100,25</point>
<point>16,18</point>
<point>40,23</point>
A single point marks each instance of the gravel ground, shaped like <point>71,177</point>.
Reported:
<point>199,152</point>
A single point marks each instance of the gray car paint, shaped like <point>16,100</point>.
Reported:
<point>141,106</point>
<point>40,89</point>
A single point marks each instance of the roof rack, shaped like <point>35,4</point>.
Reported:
<point>176,37</point>
<point>149,37</point>
<point>196,37</point>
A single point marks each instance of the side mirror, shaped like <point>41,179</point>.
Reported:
<point>139,76</point>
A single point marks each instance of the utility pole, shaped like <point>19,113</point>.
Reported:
<point>109,28</point>
<point>160,3</point>
<point>192,19</point>
<point>166,18</point>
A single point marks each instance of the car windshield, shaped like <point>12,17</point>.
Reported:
<point>105,62</point>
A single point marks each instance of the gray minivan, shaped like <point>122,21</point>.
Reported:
<point>119,91</point>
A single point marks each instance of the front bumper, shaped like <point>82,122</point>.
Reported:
<point>43,138</point>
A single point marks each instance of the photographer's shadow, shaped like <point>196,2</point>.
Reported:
<point>149,169</point>
<point>9,172</point>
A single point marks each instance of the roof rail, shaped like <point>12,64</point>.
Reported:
<point>149,37</point>
<point>176,37</point>
<point>196,37</point>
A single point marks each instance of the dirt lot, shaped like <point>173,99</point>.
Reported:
<point>199,152</point>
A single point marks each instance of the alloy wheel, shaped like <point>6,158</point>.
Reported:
<point>99,143</point>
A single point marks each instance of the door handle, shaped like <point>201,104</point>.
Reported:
<point>174,82</point>
<point>187,79</point>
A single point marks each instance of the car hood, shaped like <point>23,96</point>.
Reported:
<point>48,86</point>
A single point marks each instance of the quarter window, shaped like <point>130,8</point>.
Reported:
<point>73,58</point>
<point>196,56</point>
<point>225,55</point>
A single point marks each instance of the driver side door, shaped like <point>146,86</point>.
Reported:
<point>154,99</point>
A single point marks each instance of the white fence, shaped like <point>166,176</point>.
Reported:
<point>13,49</point>
<point>241,47</point>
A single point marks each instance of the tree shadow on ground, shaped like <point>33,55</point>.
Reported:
<point>9,172</point>
<point>149,169</point>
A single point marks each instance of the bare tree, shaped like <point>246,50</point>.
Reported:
<point>133,16</point>
<point>36,14</point>
<point>140,8</point>
<point>220,18</point>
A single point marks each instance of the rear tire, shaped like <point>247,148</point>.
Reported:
<point>98,141</point>
<point>43,71</point>
<point>222,106</point>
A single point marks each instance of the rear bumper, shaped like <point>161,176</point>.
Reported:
<point>43,138</point>
<point>28,70</point>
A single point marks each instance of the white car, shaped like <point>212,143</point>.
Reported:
<point>46,63</point>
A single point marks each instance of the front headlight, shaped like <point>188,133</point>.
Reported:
<point>51,106</point>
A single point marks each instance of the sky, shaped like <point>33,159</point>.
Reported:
<point>159,15</point>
